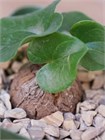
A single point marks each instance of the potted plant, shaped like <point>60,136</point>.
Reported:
<point>57,44</point>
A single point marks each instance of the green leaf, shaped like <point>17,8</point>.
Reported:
<point>6,135</point>
<point>18,30</point>
<point>25,10</point>
<point>41,50</point>
<point>71,18</point>
<point>95,57</point>
<point>61,71</point>
<point>93,34</point>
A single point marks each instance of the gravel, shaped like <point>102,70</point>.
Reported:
<point>88,123</point>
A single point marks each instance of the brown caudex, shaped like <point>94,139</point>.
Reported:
<point>26,93</point>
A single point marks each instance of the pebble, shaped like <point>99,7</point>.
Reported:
<point>39,123</point>
<point>91,94</point>
<point>23,132</point>
<point>11,77</point>
<point>102,101</point>
<point>98,82</point>
<point>2,109</point>
<point>36,133</point>
<point>87,117</point>
<point>5,97</point>
<point>4,65</point>
<point>16,66</point>
<point>6,121</point>
<point>68,116</point>
<point>78,116</point>
<point>86,76</point>
<point>88,105</point>
<point>49,137</point>
<point>54,119</point>
<point>26,122</point>
<point>99,99</point>
<point>17,113</point>
<point>97,73</point>
<point>98,120</point>
<point>63,133</point>
<point>85,85</point>
<point>87,124</point>
<point>102,136</point>
<point>97,138</point>
<point>75,134</point>
<point>101,110</point>
<point>52,130</point>
<point>77,123</point>
<point>83,126</point>
<point>98,96</point>
<point>69,124</point>
<point>92,132</point>
<point>12,127</point>
<point>78,108</point>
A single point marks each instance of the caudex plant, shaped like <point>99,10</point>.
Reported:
<point>59,41</point>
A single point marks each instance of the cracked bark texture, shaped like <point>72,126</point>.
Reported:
<point>25,93</point>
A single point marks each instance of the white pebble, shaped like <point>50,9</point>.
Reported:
<point>36,133</point>
<point>101,110</point>
<point>39,123</point>
<point>24,133</point>
<point>88,116</point>
<point>68,116</point>
<point>88,105</point>
<point>5,97</point>
<point>25,122</point>
<point>102,136</point>
<point>12,127</point>
<point>75,134</point>
<point>69,124</point>
<point>52,130</point>
<point>92,132</point>
<point>54,119</point>
<point>17,113</point>
<point>2,109</point>
<point>98,120</point>
<point>63,133</point>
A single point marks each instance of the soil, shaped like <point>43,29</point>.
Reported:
<point>25,93</point>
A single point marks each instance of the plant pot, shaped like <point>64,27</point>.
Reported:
<point>25,93</point>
